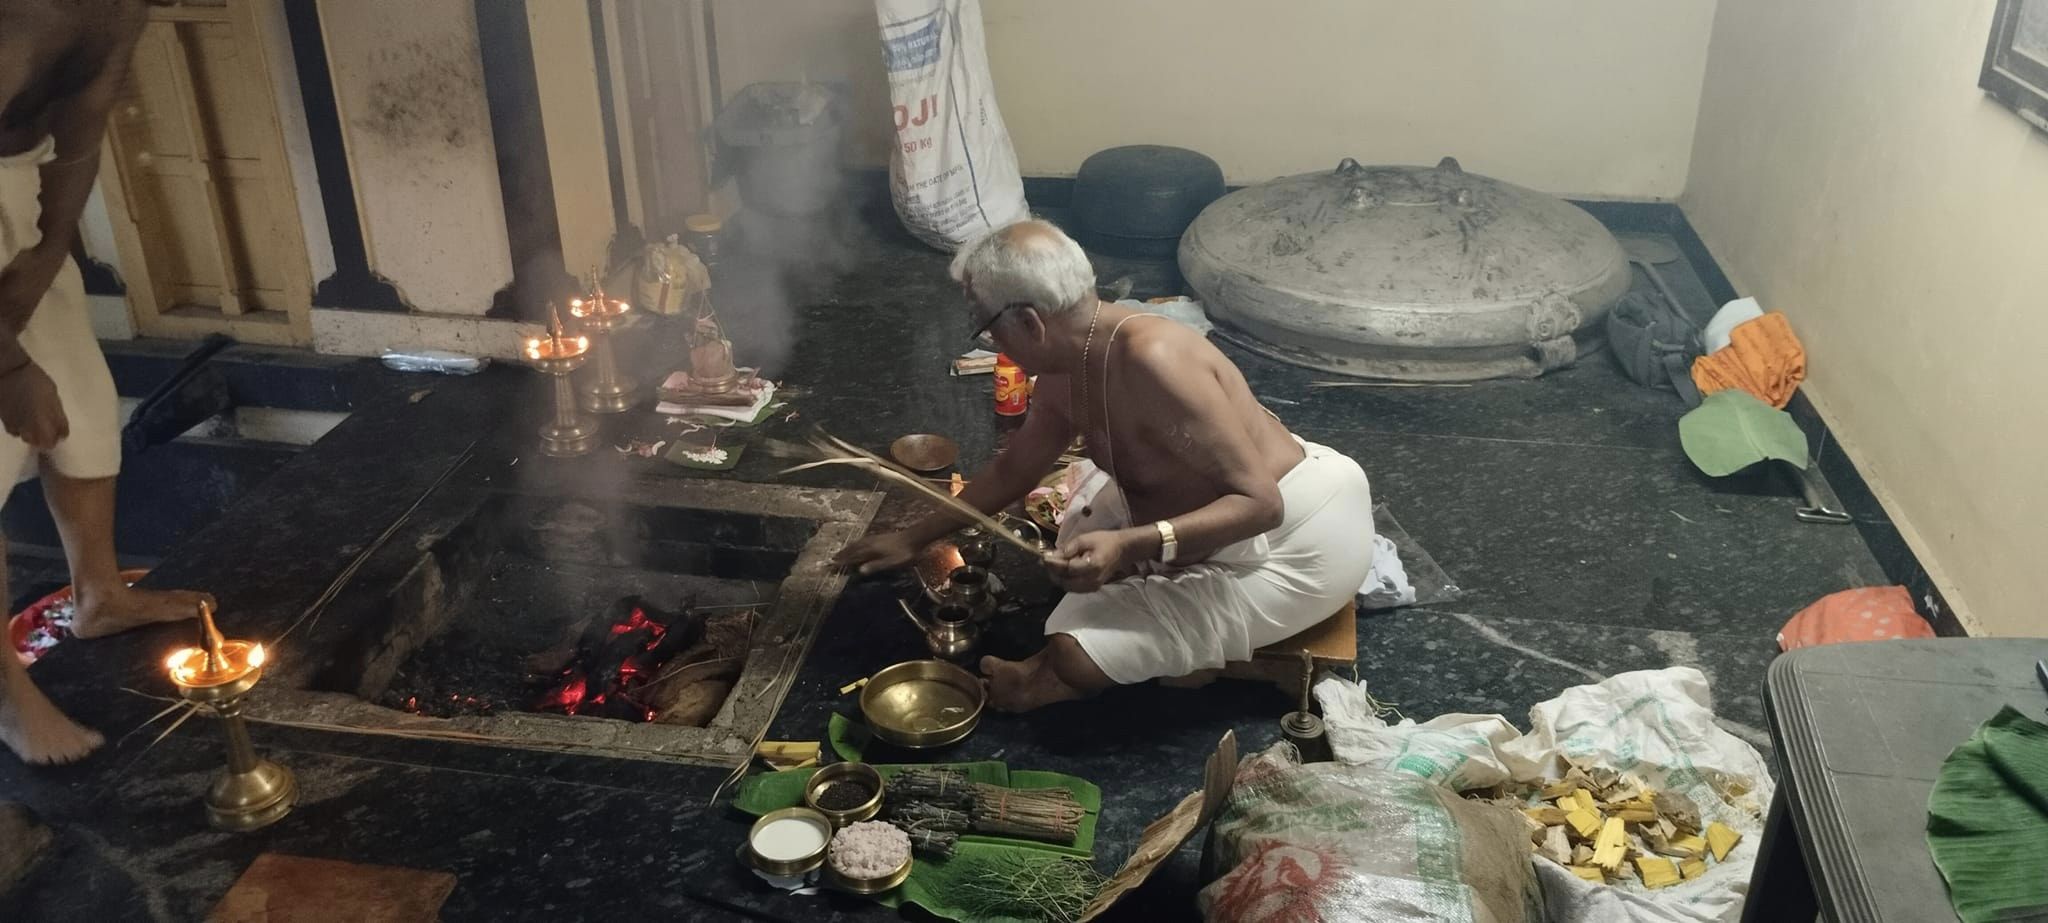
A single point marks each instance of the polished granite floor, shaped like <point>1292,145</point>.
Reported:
<point>1582,541</point>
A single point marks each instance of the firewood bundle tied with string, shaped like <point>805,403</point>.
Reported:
<point>1051,815</point>
<point>932,805</point>
<point>945,800</point>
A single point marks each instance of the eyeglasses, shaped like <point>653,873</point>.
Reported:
<point>981,335</point>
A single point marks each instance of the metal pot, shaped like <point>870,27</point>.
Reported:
<point>922,703</point>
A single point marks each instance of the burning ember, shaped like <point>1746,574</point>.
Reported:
<point>611,660</point>
<point>631,662</point>
<point>937,564</point>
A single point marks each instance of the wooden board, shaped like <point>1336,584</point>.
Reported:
<point>294,889</point>
<point>1333,642</point>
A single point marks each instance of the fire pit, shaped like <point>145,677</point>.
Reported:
<point>667,625</point>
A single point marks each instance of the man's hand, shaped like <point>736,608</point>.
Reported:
<point>23,283</point>
<point>878,553</point>
<point>1089,560</point>
<point>31,409</point>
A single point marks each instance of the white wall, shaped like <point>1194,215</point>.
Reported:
<point>1849,172</point>
<point>408,81</point>
<point>1593,98</point>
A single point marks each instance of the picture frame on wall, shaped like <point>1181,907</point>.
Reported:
<point>2016,59</point>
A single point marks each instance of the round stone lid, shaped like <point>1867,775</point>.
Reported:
<point>1362,259</point>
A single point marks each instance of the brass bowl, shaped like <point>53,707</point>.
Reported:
<point>925,453</point>
<point>789,868</point>
<point>922,703</point>
<point>869,885</point>
<point>860,773</point>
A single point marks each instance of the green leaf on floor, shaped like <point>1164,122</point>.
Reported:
<point>849,738</point>
<point>1732,430</point>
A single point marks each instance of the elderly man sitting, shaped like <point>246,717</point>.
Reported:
<point>1203,530</point>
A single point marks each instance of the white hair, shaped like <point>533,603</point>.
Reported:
<point>1045,269</point>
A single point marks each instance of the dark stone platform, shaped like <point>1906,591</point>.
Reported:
<point>1582,540</point>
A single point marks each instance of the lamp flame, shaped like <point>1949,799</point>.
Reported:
<point>256,656</point>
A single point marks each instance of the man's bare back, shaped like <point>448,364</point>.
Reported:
<point>1169,390</point>
<point>49,51</point>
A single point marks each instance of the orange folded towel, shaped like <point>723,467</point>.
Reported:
<point>1762,357</point>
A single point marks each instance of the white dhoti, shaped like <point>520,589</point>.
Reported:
<point>1172,621</point>
<point>59,339</point>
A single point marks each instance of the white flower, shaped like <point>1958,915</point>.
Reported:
<point>711,456</point>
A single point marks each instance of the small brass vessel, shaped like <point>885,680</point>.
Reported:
<point>855,773</point>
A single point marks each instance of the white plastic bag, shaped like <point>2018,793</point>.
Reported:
<point>953,175</point>
<point>1654,725</point>
<point>1186,310</point>
<point>1732,315</point>
<point>1332,842</point>
<point>1458,752</point>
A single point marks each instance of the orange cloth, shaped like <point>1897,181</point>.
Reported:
<point>1875,613</point>
<point>1762,357</point>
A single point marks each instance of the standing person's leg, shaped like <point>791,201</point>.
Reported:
<point>78,474</point>
<point>84,510</point>
<point>29,725</point>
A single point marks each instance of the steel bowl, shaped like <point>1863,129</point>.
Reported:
<point>789,868</point>
<point>925,453</point>
<point>868,885</point>
<point>922,703</point>
<point>861,773</point>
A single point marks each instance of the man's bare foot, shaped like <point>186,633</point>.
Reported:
<point>33,728</point>
<point>1024,685</point>
<point>118,611</point>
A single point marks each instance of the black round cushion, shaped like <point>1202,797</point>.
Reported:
<point>1135,201</point>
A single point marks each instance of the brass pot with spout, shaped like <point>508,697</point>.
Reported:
<point>950,631</point>
<point>970,588</point>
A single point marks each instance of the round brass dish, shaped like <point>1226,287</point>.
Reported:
<point>868,885</point>
<point>922,703</point>
<point>925,453</point>
<point>790,868</point>
<point>860,773</point>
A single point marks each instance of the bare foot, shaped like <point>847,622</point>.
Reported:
<point>113,613</point>
<point>1024,685</point>
<point>34,729</point>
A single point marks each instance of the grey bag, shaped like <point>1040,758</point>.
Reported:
<point>1655,344</point>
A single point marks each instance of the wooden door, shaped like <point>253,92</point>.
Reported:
<point>196,179</point>
<point>656,53</point>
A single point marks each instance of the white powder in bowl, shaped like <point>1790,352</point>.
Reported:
<point>788,839</point>
<point>867,850</point>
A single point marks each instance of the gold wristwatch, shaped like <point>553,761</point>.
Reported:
<point>1168,547</point>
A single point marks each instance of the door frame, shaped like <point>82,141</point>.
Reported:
<point>294,328</point>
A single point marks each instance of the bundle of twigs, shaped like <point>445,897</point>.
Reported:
<point>932,805</point>
<point>1049,814</point>
<point>932,844</point>
<point>944,788</point>
<point>933,829</point>
<point>840,452</point>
